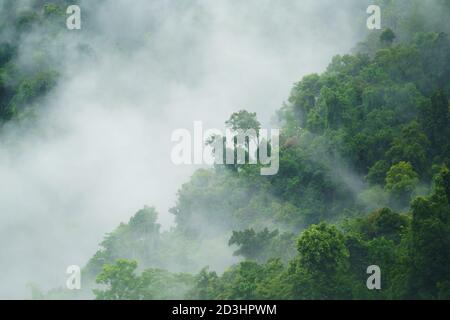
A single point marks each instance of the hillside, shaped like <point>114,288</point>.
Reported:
<point>363,180</point>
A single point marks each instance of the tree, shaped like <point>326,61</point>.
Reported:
<point>241,281</point>
<point>377,173</point>
<point>158,284</point>
<point>251,244</point>
<point>412,146</point>
<point>387,36</point>
<point>304,97</point>
<point>243,120</point>
<point>383,223</point>
<point>401,180</point>
<point>261,246</point>
<point>120,280</point>
<point>244,124</point>
<point>206,285</point>
<point>321,249</point>
<point>319,270</point>
<point>436,122</point>
<point>139,239</point>
<point>429,243</point>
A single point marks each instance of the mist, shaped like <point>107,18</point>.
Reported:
<point>99,148</point>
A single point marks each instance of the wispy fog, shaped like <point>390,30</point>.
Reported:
<point>100,148</point>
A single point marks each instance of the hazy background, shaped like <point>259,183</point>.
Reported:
<point>100,149</point>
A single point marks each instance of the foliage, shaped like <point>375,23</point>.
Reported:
<point>357,143</point>
<point>401,180</point>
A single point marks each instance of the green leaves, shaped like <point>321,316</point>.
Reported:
<point>387,36</point>
<point>243,120</point>
<point>121,281</point>
<point>261,246</point>
<point>138,240</point>
<point>321,249</point>
<point>401,180</point>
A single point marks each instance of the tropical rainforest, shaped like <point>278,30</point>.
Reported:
<point>363,180</point>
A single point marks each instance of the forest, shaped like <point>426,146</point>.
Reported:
<point>363,180</point>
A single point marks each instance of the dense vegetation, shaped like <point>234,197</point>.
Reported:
<point>26,80</point>
<point>363,180</point>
